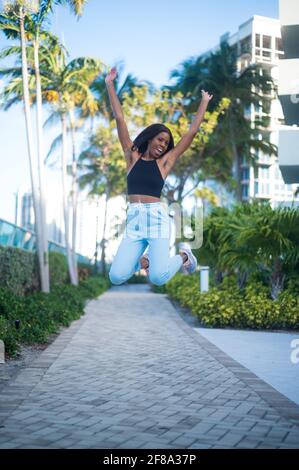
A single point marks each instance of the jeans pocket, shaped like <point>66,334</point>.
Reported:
<point>158,224</point>
<point>132,222</point>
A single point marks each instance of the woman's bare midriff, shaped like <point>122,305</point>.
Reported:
<point>143,198</point>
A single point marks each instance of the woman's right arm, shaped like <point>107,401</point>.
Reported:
<point>122,129</point>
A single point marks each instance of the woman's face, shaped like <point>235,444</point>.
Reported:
<point>159,144</point>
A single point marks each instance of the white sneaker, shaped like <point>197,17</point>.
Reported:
<point>189,266</point>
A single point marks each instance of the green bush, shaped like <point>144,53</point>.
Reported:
<point>8,335</point>
<point>58,269</point>
<point>138,279</point>
<point>18,270</point>
<point>158,289</point>
<point>227,306</point>
<point>42,314</point>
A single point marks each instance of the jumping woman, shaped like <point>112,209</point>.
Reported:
<point>150,158</point>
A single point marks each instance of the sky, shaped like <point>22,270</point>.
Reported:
<point>151,38</point>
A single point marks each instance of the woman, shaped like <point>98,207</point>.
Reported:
<point>150,158</point>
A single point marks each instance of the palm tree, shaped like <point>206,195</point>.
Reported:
<point>256,238</point>
<point>13,23</point>
<point>58,87</point>
<point>67,87</point>
<point>34,14</point>
<point>250,87</point>
<point>45,6</point>
<point>127,86</point>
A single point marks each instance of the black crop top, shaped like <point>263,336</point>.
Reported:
<point>145,178</point>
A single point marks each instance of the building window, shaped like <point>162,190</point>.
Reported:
<point>264,173</point>
<point>278,44</point>
<point>234,50</point>
<point>266,54</point>
<point>245,190</point>
<point>245,174</point>
<point>246,45</point>
<point>258,108</point>
<point>266,42</point>
<point>256,187</point>
<point>258,40</point>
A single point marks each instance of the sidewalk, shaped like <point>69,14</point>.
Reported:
<point>266,354</point>
<point>131,373</point>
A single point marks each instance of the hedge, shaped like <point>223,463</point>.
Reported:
<point>227,306</point>
<point>19,270</point>
<point>42,314</point>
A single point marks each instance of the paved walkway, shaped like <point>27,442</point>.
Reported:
<point>131,373</point>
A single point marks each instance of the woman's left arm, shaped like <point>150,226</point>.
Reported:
<point>206,98</point>
<point>187,138</point>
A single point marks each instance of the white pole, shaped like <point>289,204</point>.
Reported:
<point>2,352</point>
<point>204,278</point>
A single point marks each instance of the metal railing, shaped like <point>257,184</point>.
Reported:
<point>18,237</point>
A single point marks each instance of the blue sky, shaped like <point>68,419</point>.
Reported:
<point>150,37</point>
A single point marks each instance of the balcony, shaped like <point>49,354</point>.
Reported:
<point>288,91</point>
<point>288,155</point>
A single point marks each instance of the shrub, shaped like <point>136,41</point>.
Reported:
<point>138,279</point>
<point>41,314</point>
<point>18,270</point>
<point>58,269</point>
<point>8,335</point>
<point>227,306</point>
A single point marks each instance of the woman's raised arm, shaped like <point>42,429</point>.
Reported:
<point>187,138</point>
<point>122,129</point>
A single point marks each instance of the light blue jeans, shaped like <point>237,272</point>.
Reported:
<point>147,225</point>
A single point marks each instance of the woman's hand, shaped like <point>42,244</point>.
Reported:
<point>205,96</point>
<point>111,76</point>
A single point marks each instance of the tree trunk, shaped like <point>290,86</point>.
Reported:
<point>277,279</point>
<point>41,173</point>
<point>241,279</point>
<point>218,276</point>
<point>97,234</point>
<point>74,194</point>
<point>103,242</point>
<point>29,135</point>
<point>65,199</point>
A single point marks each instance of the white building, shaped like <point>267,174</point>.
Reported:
<point>288,91</point>
<point>258,40</point>
<point>24,214</point>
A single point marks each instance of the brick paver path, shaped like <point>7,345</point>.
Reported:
<point>131,373</point>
